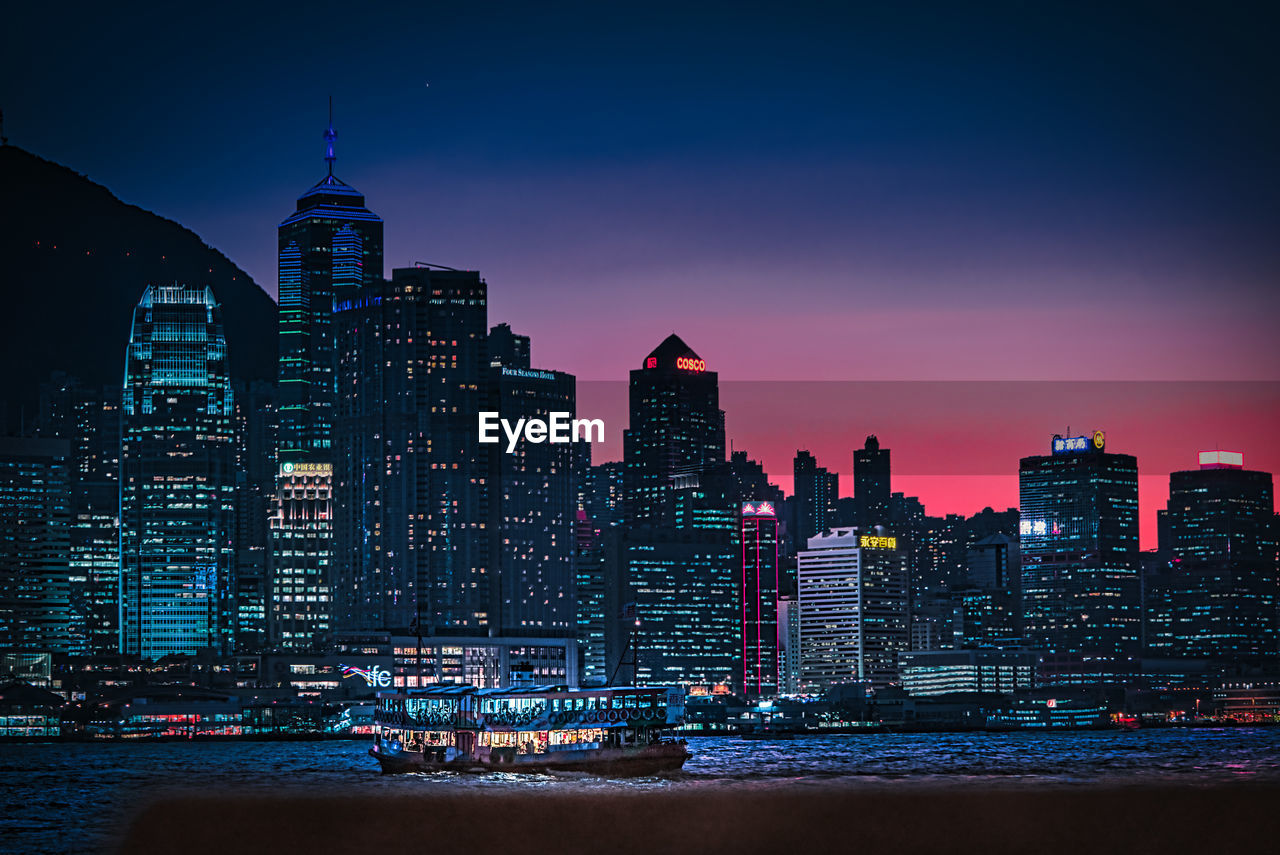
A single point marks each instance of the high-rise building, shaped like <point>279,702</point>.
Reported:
<point>589,588</point>
<point>672,567</point>
<point>533,508</point>
<point>602,495</point>
<point>256,473</point>
<point>600,509</point>
<point>670,597</point>
<point>1079,544</point>
<point>509,348</point>
<point>331,241</point>
<point>301,530</point>
<point>88,418</point>
<point>1218,597</point>
<point>871,489</point>
<point>817,490</point>
<point>676,428</point>
<point>758,599</point>
<point>412,484</point>
<point>752,481</point>
<point>177,477</point>
<point>989,600</point>
<point>35,571</point>
<point>788,645</point>
<point>853,609</point>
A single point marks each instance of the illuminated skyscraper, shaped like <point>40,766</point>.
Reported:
<point>88,418</point>
<point>853,609</point>
<point>601,505</point>
<point>534,502</point>
<point>671,605</point>
<point>35,571</point>
<point>1217,599</point>
<point>177,477</point>
<point>758,599</point>
<point>331,241</point>
<point>1079,544</point>
<point>412,481</point>
<point>788,645</point>
<point>676,428</point>
<point>256,473</point>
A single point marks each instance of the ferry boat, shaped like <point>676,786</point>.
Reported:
<point>617,731</point>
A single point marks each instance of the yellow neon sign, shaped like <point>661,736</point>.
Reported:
<point>868,541</point>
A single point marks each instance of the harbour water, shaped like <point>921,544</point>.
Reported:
<point>79,797</point>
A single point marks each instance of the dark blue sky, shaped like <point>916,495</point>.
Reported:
<point>805,190</point>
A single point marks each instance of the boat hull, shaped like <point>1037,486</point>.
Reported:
<point>610,762</point>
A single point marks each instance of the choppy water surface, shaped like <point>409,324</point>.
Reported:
<point>78,797</point>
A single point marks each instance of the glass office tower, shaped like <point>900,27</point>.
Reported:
<point>330,242</point>
<point>177,477</point>
<point>1079,544</point>
<point>676,428</point>
<point>1217,596</point>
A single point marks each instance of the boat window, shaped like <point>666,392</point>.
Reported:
<point>617,702</point>
<point>646,701</point>
<point>629,702</point>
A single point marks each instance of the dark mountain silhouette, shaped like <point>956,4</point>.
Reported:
<point>74,260</point>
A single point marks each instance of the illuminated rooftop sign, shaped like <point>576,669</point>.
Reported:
<point>1079,444</point>
<point>683,363</point>
<point>1221,460</point>
<point>758,509</point>
<point>306,468</point>
<point>868,541</point>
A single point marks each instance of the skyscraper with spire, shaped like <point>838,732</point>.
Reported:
<point>331,240</point>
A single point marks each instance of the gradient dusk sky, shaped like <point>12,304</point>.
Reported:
<point>835,192</point>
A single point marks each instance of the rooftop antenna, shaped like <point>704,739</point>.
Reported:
<point>330,135</point>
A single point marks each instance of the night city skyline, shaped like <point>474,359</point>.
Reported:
<point>835,397</point>
<point>1089,223</point>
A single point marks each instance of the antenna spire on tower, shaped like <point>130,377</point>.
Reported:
<point>330,135</point>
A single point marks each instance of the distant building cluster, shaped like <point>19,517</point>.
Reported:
<point>343,530</point>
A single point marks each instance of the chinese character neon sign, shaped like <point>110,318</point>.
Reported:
<point>1078,444</point>
<point>306,468</point>
<point>651,362</point>
<point>1034,527</point>
<point>868,541</point>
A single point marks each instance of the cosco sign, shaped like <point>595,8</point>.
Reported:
<point>688,363</point>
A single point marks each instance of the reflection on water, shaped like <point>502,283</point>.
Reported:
<point>76,797</point>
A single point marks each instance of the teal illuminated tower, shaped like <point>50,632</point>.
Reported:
<point>177,477</point>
